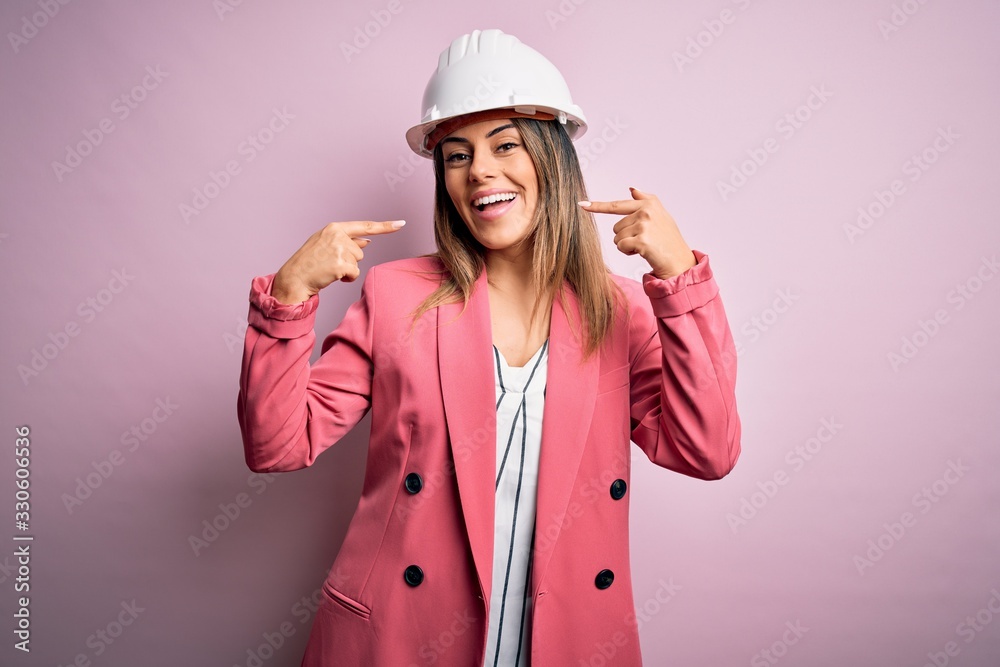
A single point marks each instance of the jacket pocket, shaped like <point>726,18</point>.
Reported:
<point>350,604</point>
<point>613,379</point>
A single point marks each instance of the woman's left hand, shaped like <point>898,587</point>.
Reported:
<point>648,230</point>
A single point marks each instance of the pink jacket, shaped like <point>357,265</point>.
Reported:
<point>412,581</point>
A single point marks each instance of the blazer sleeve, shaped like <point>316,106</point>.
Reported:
<point>683,376</point>
<point>290,412</point>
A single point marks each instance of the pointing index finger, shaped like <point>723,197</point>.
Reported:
<point>356,228</point>
<point>620,206</point>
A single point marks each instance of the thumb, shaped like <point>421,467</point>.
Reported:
<point>639,194</point>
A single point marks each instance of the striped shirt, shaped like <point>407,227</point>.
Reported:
<point>520,392</point>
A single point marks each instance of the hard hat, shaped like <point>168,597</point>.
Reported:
<point>487,70</point>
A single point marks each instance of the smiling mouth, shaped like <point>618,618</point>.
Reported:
<point>501,202</point>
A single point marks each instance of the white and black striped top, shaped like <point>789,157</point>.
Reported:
<point>520,404</point>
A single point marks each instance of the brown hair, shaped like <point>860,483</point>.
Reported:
<point>566,241</point>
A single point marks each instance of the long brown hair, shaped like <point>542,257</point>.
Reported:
<point>566,241</point>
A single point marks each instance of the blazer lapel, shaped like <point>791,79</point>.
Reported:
<point>465,363</point>
<point>570,394</point>
<point>465,359</point>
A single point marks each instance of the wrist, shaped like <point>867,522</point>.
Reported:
<point>679,267</point>
<point>289,291</point>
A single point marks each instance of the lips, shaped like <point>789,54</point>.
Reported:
<point>487,197</point>
<point>493,211</point>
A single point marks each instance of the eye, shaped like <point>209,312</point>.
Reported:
<point>455,157</point>
<point>505,144</point>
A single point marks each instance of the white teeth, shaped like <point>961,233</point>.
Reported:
<point>503,196</point>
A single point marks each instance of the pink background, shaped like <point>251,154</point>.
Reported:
<point>816,311</point>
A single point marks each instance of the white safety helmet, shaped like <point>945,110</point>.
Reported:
<point>487,70</point>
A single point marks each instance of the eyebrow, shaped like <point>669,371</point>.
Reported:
<point>492,132</point>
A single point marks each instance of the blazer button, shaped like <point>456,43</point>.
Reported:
<point>413,575</point>
<point>604,579</point>
<point>618,489</point>
<point>413,483</point>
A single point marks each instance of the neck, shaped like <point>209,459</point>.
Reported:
<point>509,270</point>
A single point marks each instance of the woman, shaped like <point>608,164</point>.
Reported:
<point>492,527</point>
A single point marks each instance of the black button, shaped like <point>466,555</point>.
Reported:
<point>604,579</point>
<point>413,575</point>
<point>618,489</point>
<point>413,483</point>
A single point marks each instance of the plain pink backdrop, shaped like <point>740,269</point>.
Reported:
<point>816,307</point>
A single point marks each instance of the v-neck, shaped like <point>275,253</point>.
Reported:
<point>517,379</point>
<point>503,359</point>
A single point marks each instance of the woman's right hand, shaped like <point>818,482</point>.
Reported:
<point>330,254</point>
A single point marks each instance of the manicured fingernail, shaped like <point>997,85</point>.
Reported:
<point>583,203</point>
<point>398,223</point>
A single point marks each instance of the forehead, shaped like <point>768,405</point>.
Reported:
<point>485,128</point>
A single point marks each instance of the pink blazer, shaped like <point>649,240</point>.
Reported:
<point>411,583</point>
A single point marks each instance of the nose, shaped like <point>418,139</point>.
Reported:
<point>483,166</point>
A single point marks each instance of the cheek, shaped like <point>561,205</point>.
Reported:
<point>455,191</point>
<point>530,178</point>
<point>532,196</point>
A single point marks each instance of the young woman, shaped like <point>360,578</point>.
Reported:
<point>507,375</point>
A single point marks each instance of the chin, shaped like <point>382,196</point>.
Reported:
<point>497,234</point>
<point>504,242</point>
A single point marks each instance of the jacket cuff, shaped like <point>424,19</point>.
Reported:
<point>276,319</point>
<point>684,292</point>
